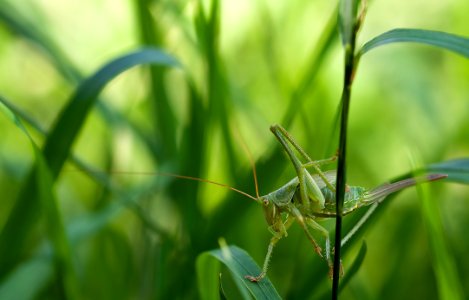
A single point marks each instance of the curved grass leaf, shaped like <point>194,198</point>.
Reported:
<point>240,264</point>
<point>59,141</point>
<point>27,29</point>
<point>451,42</point>
<point>27,208</point>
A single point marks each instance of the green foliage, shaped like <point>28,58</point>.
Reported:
<point>239,263</point>
<point>81,220</point>
<point>451,42</point>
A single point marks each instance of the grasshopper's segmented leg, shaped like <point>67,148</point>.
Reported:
<point>279,130</point>
<point>303,223</point>
<point>317,163</point>
<point>315,226</point>
<point>305,180</point>
<point>320,162</point>
<point>273,241</point>
<point>307,221</point>
<point>309,190</point>
<point>259,277</point>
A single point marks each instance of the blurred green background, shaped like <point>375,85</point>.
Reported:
<point>244,66</point>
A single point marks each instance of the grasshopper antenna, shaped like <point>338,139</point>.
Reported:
<point>186,177</point>
<point>181,177</point>
<point>251,162</point>
<point>209,181</point>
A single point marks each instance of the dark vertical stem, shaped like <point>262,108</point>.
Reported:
<point>341,165</point>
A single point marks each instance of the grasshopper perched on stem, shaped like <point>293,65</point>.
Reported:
<point>308,197</point>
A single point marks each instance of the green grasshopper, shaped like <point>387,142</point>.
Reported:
<point>309,197</point>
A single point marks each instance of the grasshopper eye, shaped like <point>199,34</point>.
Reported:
<point>265,201</point>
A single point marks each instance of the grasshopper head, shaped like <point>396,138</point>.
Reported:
<point>271,211</point>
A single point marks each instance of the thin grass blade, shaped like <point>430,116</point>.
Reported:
<point>444,266</point>
<point>447,41</point>
<point>71,119</point>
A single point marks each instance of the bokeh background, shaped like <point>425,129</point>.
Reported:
<point>244,66</point>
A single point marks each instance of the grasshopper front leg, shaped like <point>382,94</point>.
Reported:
<point>279,230</point>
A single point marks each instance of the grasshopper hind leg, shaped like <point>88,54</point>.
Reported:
<point>306,223</point>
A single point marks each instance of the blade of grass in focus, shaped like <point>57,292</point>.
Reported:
<point>240,264</point>
<point>447,41</point>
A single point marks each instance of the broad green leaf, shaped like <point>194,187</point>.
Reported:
<point>240,264</point>
<point>451,42</point>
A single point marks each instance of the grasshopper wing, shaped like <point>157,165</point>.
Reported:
<point>379,193</point>
<point>330,176</point>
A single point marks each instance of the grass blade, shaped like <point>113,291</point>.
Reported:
<point>165,120</point>
<point>63,134</point>
<point>451,42</point>
<point>457,169</point>
<point>444,266</point>
<point>26,210</point>
<point>240,264</point>
<point>55,229</point>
